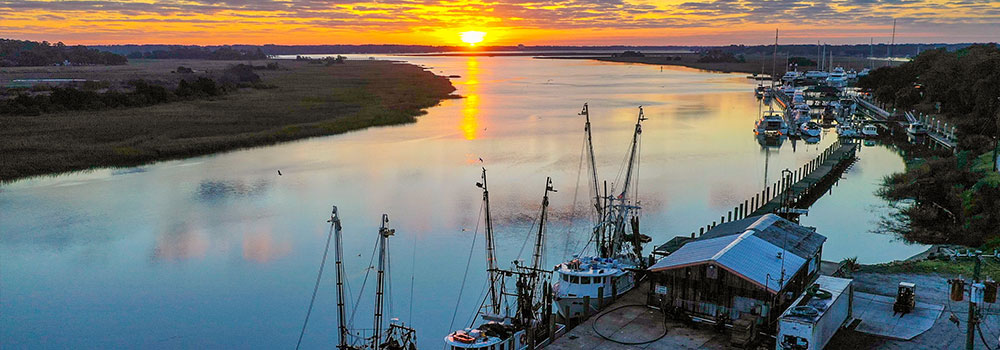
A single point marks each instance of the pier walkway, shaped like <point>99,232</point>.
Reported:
<point>941,134</point>
<point>790,195</point>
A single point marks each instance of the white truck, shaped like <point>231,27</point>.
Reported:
<point>816,315</point>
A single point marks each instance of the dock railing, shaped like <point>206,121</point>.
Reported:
<point>800,186</point>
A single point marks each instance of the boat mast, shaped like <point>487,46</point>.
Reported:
<point>623,206</point>
<point>491,258</point>
<point>632,154</point>
<point>593,163</point>
<point>339,253</point>
<point>774,58</point>
<point>383,236</point>
<point>536,260</point>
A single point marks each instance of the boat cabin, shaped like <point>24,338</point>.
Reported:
<point>585,276</point>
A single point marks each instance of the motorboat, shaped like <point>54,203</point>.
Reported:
<point>852,74</point>
<point>771,124</point>
<point>864,72</point>
<point>760,91</point>
<point>847,131</point>
<point>816,75</point>
<point>810,129</point>
<point>837,78</point>
<point>791,76</point>
<point>916,128</point>
<point>788,89</point>
<point>869,130</point>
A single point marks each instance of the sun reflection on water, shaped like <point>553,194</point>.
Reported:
<point>470,110</point>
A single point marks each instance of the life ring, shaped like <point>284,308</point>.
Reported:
<point>463,338</point>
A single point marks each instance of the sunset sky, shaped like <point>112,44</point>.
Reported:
<point>529,22</point>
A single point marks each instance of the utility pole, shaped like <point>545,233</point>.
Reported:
<point>970,329</point>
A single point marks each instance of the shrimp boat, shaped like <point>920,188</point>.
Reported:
<point>397,336</point>
<point>869,130</point>
<point>529,327</point>
<point>611,271</point>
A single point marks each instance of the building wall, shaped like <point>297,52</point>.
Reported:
<point>708,291</point>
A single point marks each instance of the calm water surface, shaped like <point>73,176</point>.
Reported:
<point>222,252</point>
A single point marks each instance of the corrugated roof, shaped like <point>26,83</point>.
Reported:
<point>755,253</point>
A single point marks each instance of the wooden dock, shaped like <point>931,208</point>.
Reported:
<point>794,192</point>
<point>942,135</point>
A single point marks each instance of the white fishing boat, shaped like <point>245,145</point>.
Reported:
<point>810,129</point>
<point>916,128</point>
<point>837,78</point>
<point>771,124</point>
<point>869,130</point>
<point>529,326</point>
<point>852,74</point>
<point>611,271</point>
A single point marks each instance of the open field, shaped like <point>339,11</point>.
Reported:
<point>308,100</point>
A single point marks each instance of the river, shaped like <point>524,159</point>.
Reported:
<point>221,251</point>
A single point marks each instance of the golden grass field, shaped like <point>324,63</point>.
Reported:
<point>308,100</point>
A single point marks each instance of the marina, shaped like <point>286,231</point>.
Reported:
<point>234,221</point>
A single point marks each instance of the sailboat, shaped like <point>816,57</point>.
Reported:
<point>529,325</point>
<point>397,336</point>
<point>612,271</point>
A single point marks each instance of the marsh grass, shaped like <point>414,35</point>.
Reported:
<point>306,101</point>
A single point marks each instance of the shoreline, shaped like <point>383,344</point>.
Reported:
<point>752,65</point>
<point>308,100</point>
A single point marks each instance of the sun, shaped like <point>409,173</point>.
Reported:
<point>472,37</point>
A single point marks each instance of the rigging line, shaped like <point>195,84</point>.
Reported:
<point>365,282</point>
<point>468,263</point>
<point>413,270</point>
<point>319,276</point>
<point>528,237</point>
<point>983,338</point>
<point>576,190</point>
<point>483,296</point>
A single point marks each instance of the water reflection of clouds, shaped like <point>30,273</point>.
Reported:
<point>261,247</point>
<point>214,190</point>
<point>182,243</point>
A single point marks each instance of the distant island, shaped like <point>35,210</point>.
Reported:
<point>23,53</point>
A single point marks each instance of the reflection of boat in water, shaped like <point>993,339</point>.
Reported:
<point>916,128</point>
<point>869,130</point>
<point>771,124</point>
<point>611,273</point>
<point>528,327</point>
<point>810,129</point>
<point>770,142</point>
<point>811,140</point>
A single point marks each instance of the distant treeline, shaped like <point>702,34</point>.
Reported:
<point>20,53</point>
<point>812,51</point>
<point>135,93</point>
<point>225,53</point>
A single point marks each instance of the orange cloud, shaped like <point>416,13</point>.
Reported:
<point>530,22</point>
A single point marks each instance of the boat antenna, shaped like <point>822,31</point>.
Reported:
<point>383,237</point>
<point>334,228</point>
<point>491,258</point>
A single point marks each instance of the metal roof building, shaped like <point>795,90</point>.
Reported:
<point>760,249</point>
<point>753,266</point>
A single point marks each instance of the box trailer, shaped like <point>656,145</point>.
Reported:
<point>816,315</point>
